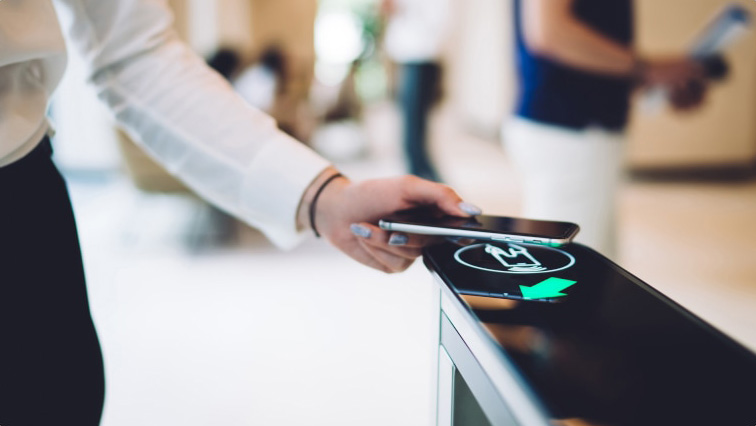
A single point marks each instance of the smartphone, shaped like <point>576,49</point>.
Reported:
<point>481,227</point>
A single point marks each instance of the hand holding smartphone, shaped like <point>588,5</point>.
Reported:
<point>481,227</point>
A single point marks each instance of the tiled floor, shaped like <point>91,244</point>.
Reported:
<point>248,335</point>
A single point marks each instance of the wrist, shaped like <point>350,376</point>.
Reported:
<point>638,71</point>
<point>330,206</point>
<point>310,207</point>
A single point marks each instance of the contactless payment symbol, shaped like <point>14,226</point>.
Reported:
<point>514,258</point>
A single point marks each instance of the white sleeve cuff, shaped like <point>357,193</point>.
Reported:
<point>273,187</point>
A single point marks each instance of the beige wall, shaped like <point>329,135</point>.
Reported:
<point>288,22</point>
<point>247,24</point>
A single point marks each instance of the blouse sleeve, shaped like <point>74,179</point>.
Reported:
<point>188,117</point>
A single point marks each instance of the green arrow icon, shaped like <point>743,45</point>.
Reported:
<point>550,287</point>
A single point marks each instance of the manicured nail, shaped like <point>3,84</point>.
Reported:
<point>360,231</point>
<point>398,239</point>
<point>470,209</point>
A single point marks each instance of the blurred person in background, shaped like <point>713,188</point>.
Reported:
<point>267,84</point>
<point>416,33</point>
<point>225,61</point>
<point>190,119</point>
<point>263,82</point>
<point>577,69</point>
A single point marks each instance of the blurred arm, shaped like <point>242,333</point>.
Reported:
<point>550,29</point>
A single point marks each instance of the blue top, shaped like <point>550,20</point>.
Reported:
<point>554,94</point>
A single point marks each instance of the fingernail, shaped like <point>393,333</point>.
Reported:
<point>360,231</point>
<point>469,208</point>
<point>398,239</point>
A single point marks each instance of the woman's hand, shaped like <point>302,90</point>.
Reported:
<point>346,214</point>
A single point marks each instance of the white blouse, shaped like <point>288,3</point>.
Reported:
<point>179,110</point>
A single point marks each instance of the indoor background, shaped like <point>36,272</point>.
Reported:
<point>203,321</point>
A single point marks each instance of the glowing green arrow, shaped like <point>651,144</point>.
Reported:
<point>550,287</point>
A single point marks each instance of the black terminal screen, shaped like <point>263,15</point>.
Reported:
<point>594,342</point>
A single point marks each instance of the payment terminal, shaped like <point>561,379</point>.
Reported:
<point>578,339</point>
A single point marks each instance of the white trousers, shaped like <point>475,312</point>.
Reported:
<point>569,175</point>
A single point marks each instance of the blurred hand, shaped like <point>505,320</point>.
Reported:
<point>683,78</point>
<point>688,95</point>
<point>670,72</point>
<point>347,213</point>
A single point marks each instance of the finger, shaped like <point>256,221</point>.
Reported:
<point>681,96</point>
<point>697,69</point>
<point>688,96</point>
<point>411,240</point>
<point>405,252</point>
<point>420,191</point>
<point>363,256</point>
<point>698,91</point>
<point>379,238</point>
<point>678,99</point>
<point>391,262</point>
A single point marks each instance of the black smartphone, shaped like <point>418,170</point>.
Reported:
<point>481,227</point>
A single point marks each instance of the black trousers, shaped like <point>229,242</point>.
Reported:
<point>418,90</point>
<point>51,370</point>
